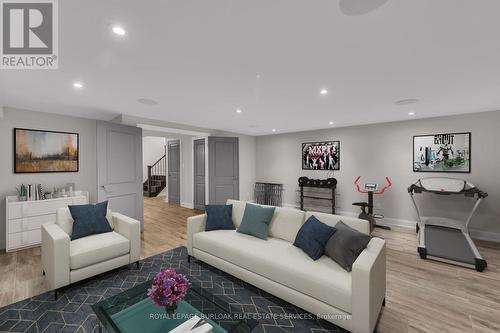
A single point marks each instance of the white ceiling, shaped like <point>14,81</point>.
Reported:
<point>200,60</point>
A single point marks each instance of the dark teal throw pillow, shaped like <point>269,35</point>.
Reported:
<point>313,236</point>
<point>256,220</point>
<point>89,220</point>
<point>219,217</point>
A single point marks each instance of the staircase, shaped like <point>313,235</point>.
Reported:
<point>157,179</point>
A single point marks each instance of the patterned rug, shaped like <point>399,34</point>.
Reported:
<point>72,311</point>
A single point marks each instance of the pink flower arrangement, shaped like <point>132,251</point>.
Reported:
<point>168,288</point>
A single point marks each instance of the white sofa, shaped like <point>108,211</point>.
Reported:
<point>65,261</point>
<point>352,300</point>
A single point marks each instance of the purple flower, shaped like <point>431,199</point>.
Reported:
<point>168,287</point>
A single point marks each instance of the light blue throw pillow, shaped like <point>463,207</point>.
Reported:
<point>256,220</point>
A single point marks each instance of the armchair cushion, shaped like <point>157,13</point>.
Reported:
<point>94,249</point>
<point>89,220</point>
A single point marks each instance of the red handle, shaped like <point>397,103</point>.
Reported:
<point>388,184</point>
<point>382,190</point>
<point>356,182</point>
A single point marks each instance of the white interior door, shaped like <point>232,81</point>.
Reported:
<point>119,168</point>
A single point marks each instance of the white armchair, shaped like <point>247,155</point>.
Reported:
<point>65,262</point>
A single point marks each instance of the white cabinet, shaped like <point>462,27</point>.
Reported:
<point>25,218</point>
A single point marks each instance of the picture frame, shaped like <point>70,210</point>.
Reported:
<point>322,155</point>
<point>45,151</point>
<point>444,152</point>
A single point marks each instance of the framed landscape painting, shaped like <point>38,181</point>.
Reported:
<point>321,155</point>
<point>448,152</point>
<point>37,151</point>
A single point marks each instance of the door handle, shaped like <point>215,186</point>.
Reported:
<point>106,188</point>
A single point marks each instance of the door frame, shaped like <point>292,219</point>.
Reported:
<point>205,138</point>
<point>180,169</point>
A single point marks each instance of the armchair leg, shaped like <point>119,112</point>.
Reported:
<point>383,302</point>
<point>137,263</point>
<point>55,293</point>
<point>189,258</point>
<point>43,272</point>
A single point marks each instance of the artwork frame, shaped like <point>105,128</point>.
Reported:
<point>460,147</point>
<point>23,146</point>
<point>331,144</point>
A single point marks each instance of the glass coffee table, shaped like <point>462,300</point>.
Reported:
<point>132,311</point>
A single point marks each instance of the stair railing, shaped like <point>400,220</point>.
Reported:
<point>159,168</point>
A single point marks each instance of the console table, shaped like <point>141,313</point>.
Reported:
<point>24,219</point>
<point>307,187</point>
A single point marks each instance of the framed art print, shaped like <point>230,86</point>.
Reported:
<point>38,151</point>
<point>321,155</point>
<point>449,152</point>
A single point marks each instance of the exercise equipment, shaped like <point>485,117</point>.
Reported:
<point>371,189</point>
<point>445,239</point>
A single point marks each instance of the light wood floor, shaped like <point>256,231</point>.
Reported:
<point>422,295</point>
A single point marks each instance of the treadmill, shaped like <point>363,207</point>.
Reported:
<point>444,239</point>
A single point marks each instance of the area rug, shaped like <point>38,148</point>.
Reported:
<point>72,312</point>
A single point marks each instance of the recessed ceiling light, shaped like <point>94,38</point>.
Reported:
<point>331,123</point>
<point>407,101</point>
<point>239,111</point>
<point>274,130</point>
<point>411,113</point>
<point>78,85</point>
<point>147,101</point>
<point>323,91</point>
<point>118,30</point>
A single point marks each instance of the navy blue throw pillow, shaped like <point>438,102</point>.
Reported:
<point>89,220</point>
<point>313,236</point>
<point>219,217</point>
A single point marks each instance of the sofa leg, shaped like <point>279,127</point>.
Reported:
<point>137,263</point>
<point>383,302</point>
<point>189,258</point>
<point>43,272</point>
<point>55,294</point>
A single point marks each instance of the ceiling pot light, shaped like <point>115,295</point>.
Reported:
<point>239,111</point>
<point>273,130</point>
<point>323,92</point>
<point>147,101</point>
<point>407,101</point>
<point>78,85</point>
<point>118,30</point>
<point>411,113</point>
<point>330,123</point>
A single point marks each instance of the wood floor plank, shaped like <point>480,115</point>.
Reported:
<point>422,295</point>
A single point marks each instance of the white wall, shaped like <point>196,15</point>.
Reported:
<point>379,150</point>
<point>153,148</point>
<point>85,179</point>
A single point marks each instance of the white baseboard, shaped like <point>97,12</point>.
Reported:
<point>187,205</point>
<point>389,221</point>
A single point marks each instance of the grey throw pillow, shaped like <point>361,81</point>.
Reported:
<point>345,245</point>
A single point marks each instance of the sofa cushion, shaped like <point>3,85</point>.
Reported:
<point>65,220</point>
<point>256,220</point>
<point>93,249</point>
<point>89,220</point>
<point>345,245</point>
<point>238,211</point>
<point>353,222</point>
<point>219,217</point>
<point>286,223</point>
<point>281,262</point>
<point>313,236</point>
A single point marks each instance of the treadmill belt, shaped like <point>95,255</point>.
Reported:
<point>448,243</point>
